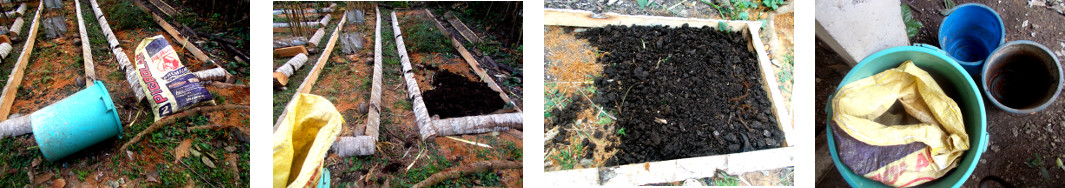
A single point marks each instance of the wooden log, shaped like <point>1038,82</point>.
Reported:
<point>325,20</point>
<point>124,62</point>
<point>317,37</point>
<point>471,61</point>
<point>290,67</point>
<point>86,51</point>
<point>461,27</point>
<point>421,114</point>
<point>215,74</point>
<point>312,24</point>
<point>290,51</point>
<point>477,124</point>
<point>16,127</point>
<point>15,79</point>
<point>312,77</point>
<point>21,10</point>
<point>5,49</point>
<point>16,27</point>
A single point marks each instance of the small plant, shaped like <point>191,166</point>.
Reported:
<point>426,38</point>
<point>621,131</point>
<point>912,24</point>
<point>774,4</point>
<point>726,180</point>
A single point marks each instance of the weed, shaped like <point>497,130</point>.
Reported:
<point>774,4</point>
<point>126,16</point>
<point>621,131</point>
<point>81,174</point>
<point>912,24</point>
<point>726,180</point>
<point>426,38</point>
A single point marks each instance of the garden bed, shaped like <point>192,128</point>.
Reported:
<point>645,96</point>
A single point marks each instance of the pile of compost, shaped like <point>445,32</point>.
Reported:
<point>456,96</point>
<point>682,92</point>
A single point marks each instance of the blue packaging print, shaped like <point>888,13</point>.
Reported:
<point>168,85</point>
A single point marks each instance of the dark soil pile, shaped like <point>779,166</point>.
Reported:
<point>456,96</point>
<point>682,92</point>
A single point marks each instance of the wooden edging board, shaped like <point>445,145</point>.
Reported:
<point>312,77</point>
<point>15,79</point>
<point>471,61</point>
<point>575,18</point>
<point>185,43</point>
<point>86,51</point>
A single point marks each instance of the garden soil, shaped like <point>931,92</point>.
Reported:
<point>682,92</point>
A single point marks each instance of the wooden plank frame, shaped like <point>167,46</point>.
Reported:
<point>185,43</point>
<point>695,167</point>
<point>312,77</point>
<point>15,79</point>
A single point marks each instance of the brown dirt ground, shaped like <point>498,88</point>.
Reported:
<point>51,71</point>
<point>570,65</point>
<point>343,80</point>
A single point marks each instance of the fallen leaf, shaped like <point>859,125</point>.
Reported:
<point>230,148</point>
<point>35,162</point>
<point>59,183</point>
<point>207,162</point>
<point>195,153</point>
<point>182,150</point>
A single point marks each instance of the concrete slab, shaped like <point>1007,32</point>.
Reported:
<point>857,28</point>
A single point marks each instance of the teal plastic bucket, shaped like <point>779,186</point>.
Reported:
<point>76,122</point>
<point>953,78</point>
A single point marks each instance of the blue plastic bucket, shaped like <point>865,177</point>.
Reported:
<point>76,122</point>
<point>969,33</point>
<point>950,76</point>
<point>1022,77</point>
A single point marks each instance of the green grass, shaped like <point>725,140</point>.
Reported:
<point>725,180</point>
<point>126,15</point>
<point>426,38</point>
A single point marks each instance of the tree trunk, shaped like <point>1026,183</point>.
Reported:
<point>365,145</point>
<point>123,60</point>
<point>15,127</point>
<point>318,35</point>
<point>477,124</point>
<point>421,115</point>
<point>215,74</point>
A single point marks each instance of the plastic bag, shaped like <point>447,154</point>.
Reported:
<point>302,141</point>
<point>168,85</point>
<point>898,127</point>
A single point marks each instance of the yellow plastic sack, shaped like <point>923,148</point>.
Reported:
<point>861,109</point>
<point>303,139</point>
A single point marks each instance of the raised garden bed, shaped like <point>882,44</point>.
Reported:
<point>658,100</point>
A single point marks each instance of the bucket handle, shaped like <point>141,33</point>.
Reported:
<point>929,46</point>
<point>983,143</point>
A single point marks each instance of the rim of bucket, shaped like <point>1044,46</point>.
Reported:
<point>1046,103</point>
<point>109,104</point>
<point>923,48</point>
<point>1001,29</point>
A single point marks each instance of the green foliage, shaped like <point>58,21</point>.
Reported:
<point>426,38</point>
<point>1037,162</point>
<point>621,131</point>
<point>643,3</point>
<point>774,4</point>
<point>726,180</point>
<point>912,25</point>
<point>127,16</point>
